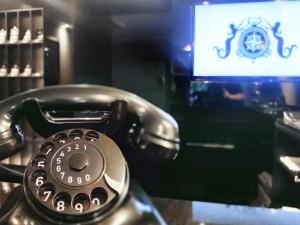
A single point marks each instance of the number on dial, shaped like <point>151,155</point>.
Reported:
<point>60,206</point>
<point>39,181</point>
<point>46,192</point>
<point>81,202</point>
<point>38,178</point>
<point>61,201</point>
<point>78,207</point>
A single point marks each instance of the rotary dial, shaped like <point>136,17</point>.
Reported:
<point>76,172</point>
<point>75,164</point>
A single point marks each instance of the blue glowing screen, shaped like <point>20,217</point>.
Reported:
<point>247,39</point>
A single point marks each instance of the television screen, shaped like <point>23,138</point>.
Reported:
<point>247,39</point>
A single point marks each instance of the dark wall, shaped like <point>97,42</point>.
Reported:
<point>141,51</point>
<point>143,67</point>
<point>92,45</point>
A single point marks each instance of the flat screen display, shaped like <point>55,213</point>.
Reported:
<point>247,39</point>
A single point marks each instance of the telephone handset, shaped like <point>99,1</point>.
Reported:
<point>79,174</point>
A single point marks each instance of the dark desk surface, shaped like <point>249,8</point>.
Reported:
<point>178,212</point>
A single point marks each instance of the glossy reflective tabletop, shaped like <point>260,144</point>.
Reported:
<point>178,212</point>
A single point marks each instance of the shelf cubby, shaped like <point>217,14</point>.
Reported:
<point>37,22</point>
<point>13,86</point>
<point>24,23</point>
<point>12,21</point>
<point>3,21</point>
<point>13,56</point>
<point>37,54</point>
<point>25,56</point>
<point>4,87</point>
<point>38,82</point>
<point>3,55</point>
<point>25,84</point>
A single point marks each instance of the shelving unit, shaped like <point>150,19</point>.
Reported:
<point>22,53</point>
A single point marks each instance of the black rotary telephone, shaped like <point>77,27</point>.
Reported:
<point>79,174</point>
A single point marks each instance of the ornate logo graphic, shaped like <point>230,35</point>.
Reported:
<point>254,43</point>
<point>254,40</point>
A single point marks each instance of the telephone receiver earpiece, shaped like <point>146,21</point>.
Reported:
<point>155,132</point>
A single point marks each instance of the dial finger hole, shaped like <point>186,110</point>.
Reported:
<point>38,178</point>
<point>99,196</point>
<point>39,162</point>
<point>60,138</point>
<point>62,201</point>
<point>46,192</point>
<point>76,134</point>
<point>91,136</point>
<point>47,148</point>
<point>81,202</point>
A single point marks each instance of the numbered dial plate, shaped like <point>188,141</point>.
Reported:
<point>77,164</point>
<point>76,172</point>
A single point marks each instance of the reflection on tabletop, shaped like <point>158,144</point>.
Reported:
<point>179,212</point>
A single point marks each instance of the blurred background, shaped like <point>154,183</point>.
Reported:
<point>145,47</point>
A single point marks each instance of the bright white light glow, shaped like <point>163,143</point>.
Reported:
<point>187,48</point>
<point>66,26</point>
<point>290,209</point>
<point>289,163</point>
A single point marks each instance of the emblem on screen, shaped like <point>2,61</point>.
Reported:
<point>254,38</point>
